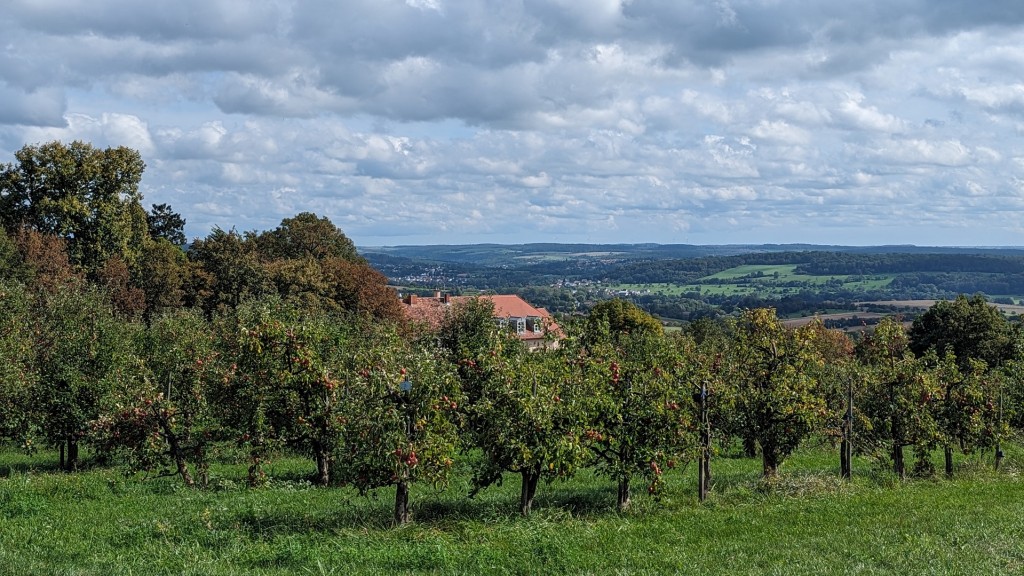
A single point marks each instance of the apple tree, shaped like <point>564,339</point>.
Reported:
<point>641,417</point>
<point>897,399</point>
<point>277,388</point>
<point>399,413</point>
<point>528,416</point>
<point>778,399</point>
<point>17,362</point>
<point>84,355</point>
<point>166,424</point>
<point>966,407</point>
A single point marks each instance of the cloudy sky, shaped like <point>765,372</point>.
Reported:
<point>456,121</point>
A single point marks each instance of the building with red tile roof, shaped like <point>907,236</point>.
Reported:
<point>534,326</point>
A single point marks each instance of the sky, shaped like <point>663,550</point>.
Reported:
<point>859,122</point>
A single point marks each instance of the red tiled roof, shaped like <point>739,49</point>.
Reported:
<point>431,310</point>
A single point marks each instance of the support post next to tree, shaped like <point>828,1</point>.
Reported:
<point>704,465</point>
<point>846,449</point>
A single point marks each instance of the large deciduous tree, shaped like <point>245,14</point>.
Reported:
<point>85,195</point>
<point>306,236</point>
<point>231,264</point>
<point>969,328</point>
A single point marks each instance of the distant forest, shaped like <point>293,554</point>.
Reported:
<point>684,283</point>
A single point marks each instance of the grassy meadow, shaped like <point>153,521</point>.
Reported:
<point>100,522</point>
<point>773,280</point>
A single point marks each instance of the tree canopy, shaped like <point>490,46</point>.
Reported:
<point>969,328</point>
<point>87,196</point>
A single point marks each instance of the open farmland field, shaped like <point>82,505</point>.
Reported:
<point>1009,309</point>
<point>751,270</point>
<point>794,322</point>
<point>811,522</point>
<point>759,280</point>
<point>777,274</point>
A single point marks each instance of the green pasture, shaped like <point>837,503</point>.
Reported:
<point>810,522</point>
<point>768,270</point>
<point>780,273</point>
<point>744,280</point>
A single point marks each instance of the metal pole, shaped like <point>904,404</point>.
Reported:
<point>999,427</point>
<point>846,451</point>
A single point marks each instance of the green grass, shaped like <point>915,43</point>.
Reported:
<point>99,522</point>
<point>768,270</point>
<point>761,280</point>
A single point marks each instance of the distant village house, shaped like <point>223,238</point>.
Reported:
<point>534,326</point>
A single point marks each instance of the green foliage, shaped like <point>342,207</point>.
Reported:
<point>17,362</point>
<point>778,399</point>
<point>617,318</point>
<point>641,414</point>
<point>968,328</point>
<point>165,276</point>
<point>467,336</point>
<point>166,224</point>
<point>85,355</point>
<point>87,196</point>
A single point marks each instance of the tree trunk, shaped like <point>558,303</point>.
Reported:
<point>948,453</point>
<point>623,499</point>
<point>846,448</point>
<point>529,489</point>
<point>770,463</point>
<point>898,465</point>
<point>203,471</point>
<point>72,461</point>
<point>256,477</point>
<point>63,466</point>
<point>749,447</point>
<point>174,445</point>
<point>323,467</point>
<point>401,503</point>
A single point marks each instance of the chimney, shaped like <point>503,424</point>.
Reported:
<point>410,299</point>
<point>437,295</point>
<point>444,298</point>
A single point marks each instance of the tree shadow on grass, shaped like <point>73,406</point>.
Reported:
<point>8,469</point>
<point>374,512</point>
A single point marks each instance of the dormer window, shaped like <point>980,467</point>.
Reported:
<point>535,324</point>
